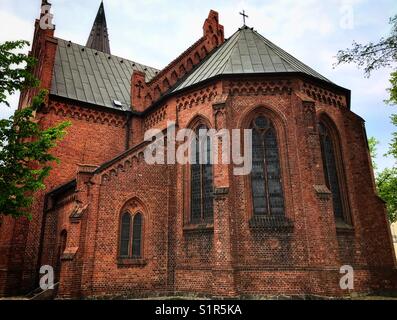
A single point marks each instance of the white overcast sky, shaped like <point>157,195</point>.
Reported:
<point>154,32</point>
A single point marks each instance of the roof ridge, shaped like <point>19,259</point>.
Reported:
<point>232,50</point>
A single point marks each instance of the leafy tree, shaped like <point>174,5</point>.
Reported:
<point>14,69</point>
<point>386,183</point>
<point>393,89</point>
<point>393,144</point>
<point>25,160</point>
<point>373,56</point>
<point>372,143</point>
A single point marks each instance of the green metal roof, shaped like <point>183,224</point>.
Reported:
<point>91,76</point>
<point>87,75</point>
<point>246,52</point>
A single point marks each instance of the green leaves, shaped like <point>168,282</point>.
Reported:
<point>25,160</point>
<point>15,69</point>
<point>393,89</point>
<point>373,56</point>
<point>372,143</point>
<point>393,144</point>
<point>370,56</point>
<point>387,186</point>
<point>386,181</point>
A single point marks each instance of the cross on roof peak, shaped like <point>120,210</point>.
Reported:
<point>244,16</point>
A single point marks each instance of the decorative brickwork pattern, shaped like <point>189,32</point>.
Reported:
<point>144,94</point>
<point>76,222</point>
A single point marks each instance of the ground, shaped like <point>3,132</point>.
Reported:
<point>385,297</point>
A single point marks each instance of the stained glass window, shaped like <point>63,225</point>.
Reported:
<point>330,170</point>
<point>267,191</point>
<point>125,235</point>
<point>201,180</point>
<point>137,236</point>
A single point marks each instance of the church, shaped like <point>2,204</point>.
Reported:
<point>112,225</point>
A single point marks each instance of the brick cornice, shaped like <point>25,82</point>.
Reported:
<point>87,114</point>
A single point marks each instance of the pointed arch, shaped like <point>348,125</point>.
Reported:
<point>267,182</point>
<point>200,197</point>
<point>157,92</point>
<point>266,187</point>
<point>131,231</point>
<point>333,168</point>
<point>166,84</point>
<point>182,70</point>
<point>189,64</point>
<point>197,120</point>
<point>174,77</point>
<point>197,57</point>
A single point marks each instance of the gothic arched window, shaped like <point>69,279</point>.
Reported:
<point>137,236</point>
<point>201,180</point>
<point>267,191</point>
<point>332,177</point>
<point>131,236</point>
<point>125,235</point>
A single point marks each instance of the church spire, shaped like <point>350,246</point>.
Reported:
<point>99,37</point>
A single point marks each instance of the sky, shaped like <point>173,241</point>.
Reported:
<point>154,32</point>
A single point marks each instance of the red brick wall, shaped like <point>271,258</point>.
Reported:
<point>12,243</point>
<point>14,233</point>
<point>94,137</point>
<point>128,185</point>
<point>227,258</point>
<point>307,259</point>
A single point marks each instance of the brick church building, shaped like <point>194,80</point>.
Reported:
<point>112,225</point>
